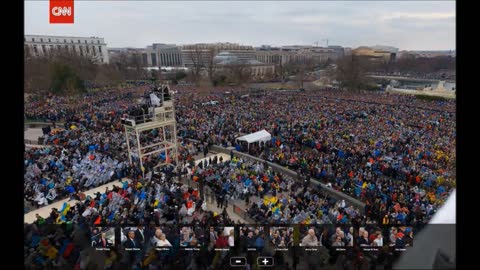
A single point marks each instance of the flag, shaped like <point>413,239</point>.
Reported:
<point>65,210</point>
<point>60,219</point>
<point>273,200</point>
<point>64,246</point>
<point>266,200</point>
<point>68,250</point>
<point>307,220</point>
<point>63,207</point>
<point>364,185</point>
<point>154,100</point>
<point>98,221</point>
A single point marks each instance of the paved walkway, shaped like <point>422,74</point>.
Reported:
<point>33,134</point>
<point>45,211</point>
<point>212,154</point>
<point>212,206</point>
<point>29,146</point>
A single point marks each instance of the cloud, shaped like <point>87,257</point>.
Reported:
<point>407,25</point>
<point>421,16</point>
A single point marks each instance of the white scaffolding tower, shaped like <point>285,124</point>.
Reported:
<point>152,133</point>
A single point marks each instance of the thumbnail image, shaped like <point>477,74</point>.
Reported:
<point>337,236</point>
<point>370,236</point>
<point>161,235</point>
<point>103,237</point>
<point>221,237</point>
<point>252,237</point>
<point>400,237</point>
<point>189,238</point>
<point>281,237</point>
<point>133,237</point>
<point>310,236</point>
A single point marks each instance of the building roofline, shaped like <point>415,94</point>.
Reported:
<point>59,36</point>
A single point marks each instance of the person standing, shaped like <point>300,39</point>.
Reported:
<point>131,242</point>
<point>213,238</point>
<point>310,240</point>
<point>140,235</point>
<point>378,240</point>
<point>231,239</point>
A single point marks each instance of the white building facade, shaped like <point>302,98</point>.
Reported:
<point>94,47</point>
<point>162,55</point>
<point>203,53</point>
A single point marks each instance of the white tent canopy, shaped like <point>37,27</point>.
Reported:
<point>259,136</point>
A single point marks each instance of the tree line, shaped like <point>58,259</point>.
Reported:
<point>351,71</point>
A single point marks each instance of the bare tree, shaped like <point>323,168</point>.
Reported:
<point>301,70</point>
<point>269,75</point>
<point>37,74</point>
<point>351,73</point>
<point>211,66</point>
<point>195,55</point>
<point>239,73</point>
<point>289,69</point>
<point>65,72</point>
<point>136,62</point>
<point>121,64</point>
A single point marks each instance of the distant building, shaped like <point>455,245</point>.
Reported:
<point>426,54</point>
<point>347,51</point>
<point>338,51</point>
<point>376,55</point>
<point>93,47</point>
<point>298,54</point>
<point>115,54</point>
<point>156,55</point>
<point>202,54</point>
<point>257,69</point>
<point>162,55</point>
<point>385,48</point>
<point>271,56</point>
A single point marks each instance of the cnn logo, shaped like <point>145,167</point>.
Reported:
<point>61,11</point>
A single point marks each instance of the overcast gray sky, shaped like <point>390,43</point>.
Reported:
<point>408,25</point>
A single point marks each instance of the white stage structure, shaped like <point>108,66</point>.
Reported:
<point>151,130</point>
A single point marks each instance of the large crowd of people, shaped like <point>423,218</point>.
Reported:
<point>394,152</point>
